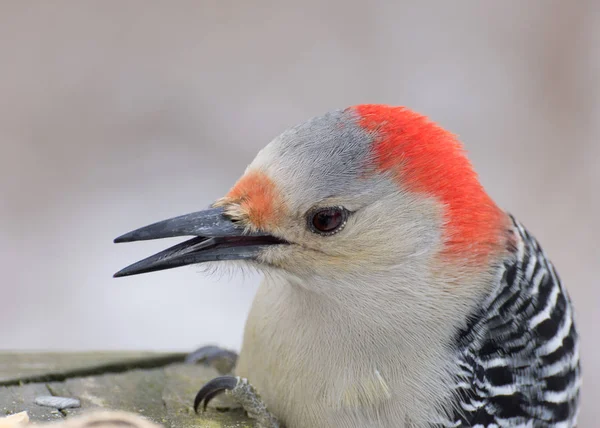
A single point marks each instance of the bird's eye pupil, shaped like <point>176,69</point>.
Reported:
<point>328,220</point>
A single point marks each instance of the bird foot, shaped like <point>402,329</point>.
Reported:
<point>243,393</point>
<point>223,360</point>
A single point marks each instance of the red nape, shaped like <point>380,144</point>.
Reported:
<point>429,160</point>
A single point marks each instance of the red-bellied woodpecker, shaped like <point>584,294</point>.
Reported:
<point>396,292</point>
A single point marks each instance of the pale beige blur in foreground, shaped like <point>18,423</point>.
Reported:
<point>117,114</point>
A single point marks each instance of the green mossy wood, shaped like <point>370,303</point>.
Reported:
<point>155,385</point>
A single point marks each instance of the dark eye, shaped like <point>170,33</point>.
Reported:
<point>327,221</point>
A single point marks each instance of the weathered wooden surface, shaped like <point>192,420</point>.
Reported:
<point>23,367</point>
<point>157,386</point>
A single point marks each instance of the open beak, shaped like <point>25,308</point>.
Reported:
<point>216,238</point>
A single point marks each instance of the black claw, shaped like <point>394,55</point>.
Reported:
<point>213,388</point>
<point>210,396</point>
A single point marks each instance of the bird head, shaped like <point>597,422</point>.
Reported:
<point>355,192</point>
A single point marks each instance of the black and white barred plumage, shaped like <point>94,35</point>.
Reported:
<point>519,355</point>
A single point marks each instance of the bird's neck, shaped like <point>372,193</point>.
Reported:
<point>413,305</point>
<point>384,345</point>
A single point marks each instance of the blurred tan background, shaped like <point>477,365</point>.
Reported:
<point>117,114</point>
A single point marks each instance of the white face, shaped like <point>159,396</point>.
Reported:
<point>322,179</point>
<point>375,237</point>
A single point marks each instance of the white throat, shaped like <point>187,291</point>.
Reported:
<point>371,351</point>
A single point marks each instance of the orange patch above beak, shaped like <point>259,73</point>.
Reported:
<point>257,201</point>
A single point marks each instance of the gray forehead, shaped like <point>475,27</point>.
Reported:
<point>320,158</point>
